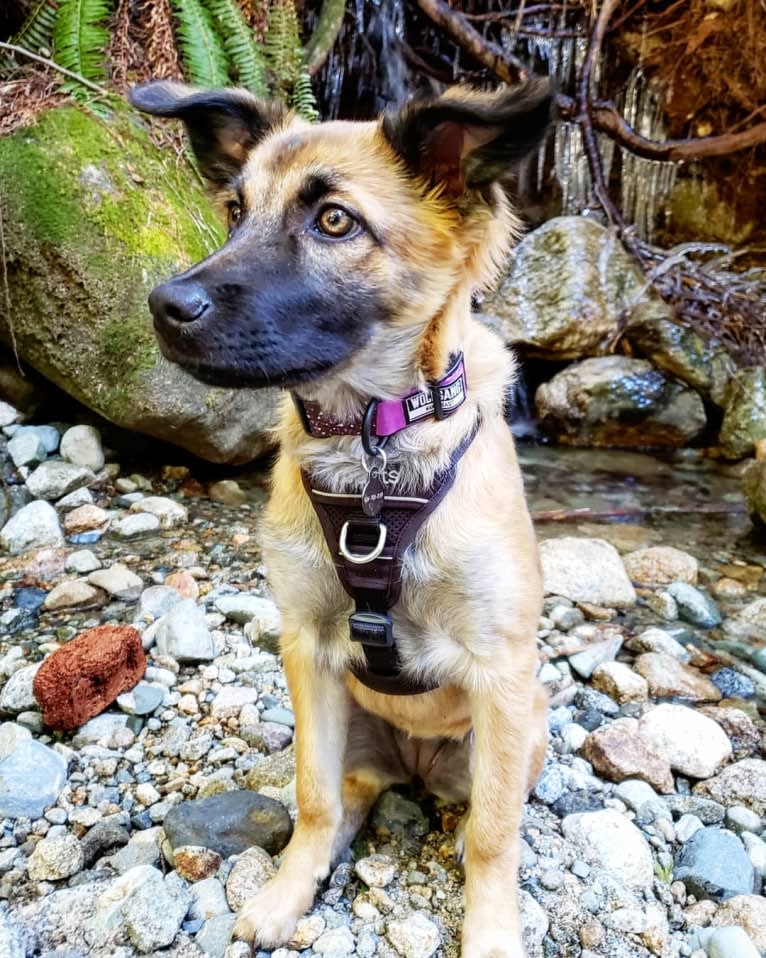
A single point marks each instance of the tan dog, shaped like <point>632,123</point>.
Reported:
<point>353,252</point>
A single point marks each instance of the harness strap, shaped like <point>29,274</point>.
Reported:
<point>375,585</point>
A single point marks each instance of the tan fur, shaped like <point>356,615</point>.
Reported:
<point>471,592</point>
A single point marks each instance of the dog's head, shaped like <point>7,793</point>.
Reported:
<point>342,236</point>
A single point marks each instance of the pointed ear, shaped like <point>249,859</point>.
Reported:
<point>466,138</point>
<point>223,125</point>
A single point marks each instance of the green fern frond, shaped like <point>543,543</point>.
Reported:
<point>303,99</point>
<point>36,32</point>
<point>238,40</point>
<point>202,52</point>
<point>283,44</point>
<point>80,39</point>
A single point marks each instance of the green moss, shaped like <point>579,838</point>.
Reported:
<point>129,343</point>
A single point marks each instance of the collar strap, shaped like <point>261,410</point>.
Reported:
<point>438,400</point>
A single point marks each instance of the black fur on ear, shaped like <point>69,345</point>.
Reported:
<point>223,125</point>
<point>466,139</point>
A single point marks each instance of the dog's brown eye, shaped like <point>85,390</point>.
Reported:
<point>234,213</point>
<point>335,222</point>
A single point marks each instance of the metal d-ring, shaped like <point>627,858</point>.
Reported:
<point>361,558</point>
<point>370,447</point>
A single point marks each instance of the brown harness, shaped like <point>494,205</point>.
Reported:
<point>367,552</point>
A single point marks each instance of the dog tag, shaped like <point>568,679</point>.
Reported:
<point>372,496</point>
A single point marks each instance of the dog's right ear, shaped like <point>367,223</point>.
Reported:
<point>223,125</point>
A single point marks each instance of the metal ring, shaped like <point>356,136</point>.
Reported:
<point>369,466</point>
<point>359,558</point>
<point>370,447</point>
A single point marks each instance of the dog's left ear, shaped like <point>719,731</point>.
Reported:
<point>466,139</point>
<point>223,125</point>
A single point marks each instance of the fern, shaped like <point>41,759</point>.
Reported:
<point>244,53</point>
<point>302,97</point>
<point>80,39</point>
<point>283,44</point>
<point>203,53</point>
<point>36,32</point>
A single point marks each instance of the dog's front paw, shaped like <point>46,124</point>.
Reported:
<point>491,942</point>
<point>268,919</point>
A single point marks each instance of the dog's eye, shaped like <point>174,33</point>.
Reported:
<point>335,222</point>
<point>234,212</point>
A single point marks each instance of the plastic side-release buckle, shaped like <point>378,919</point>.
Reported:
<point>372,628</point>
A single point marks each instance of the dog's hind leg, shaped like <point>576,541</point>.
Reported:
<point>504,744</point>
<point>322,706</point>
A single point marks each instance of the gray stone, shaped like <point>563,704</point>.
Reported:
<point>686,826</point>
<point>414,937</point>
<point>743,783</point>
<point>11,736</point>
<point>244,608</point>
<point>157,601</point>
<point>99,730</point>
<point>31,779</point>
<point>154,911</point>
<point>26,449</point>
<point>13,939</point>
<point>743,819</point>
<point>551,785</point>
<point>34,526</point>
<point>73,500</point>
<point>708,812</point>
<point>143,699</point>
<point>732,684</point>
<point>607,840</point>
<point>104,837</point>
<point>131,526</point>
<point>280,716</point>
<point>17,695</point>
<point>754,489</point>
<point>208,899</point>
<point>81,445</point>
<point>118,581</point>
<point>142,849</point>
<point>183,634</point>
<point>398,815</point>
<point>731,942</point>
<point>55,857</point>
<point>635,793</point>
<point>215,935</point>
<point>658,640</point>
<point>586,662</point>
<point>230,823</point>
<point>54,479</point>
<point>713,864</point>
<point>335,942</point>
<point>169,512</point>
<point>694,606</point>
<point>586,570</point>
<point>82,562</point>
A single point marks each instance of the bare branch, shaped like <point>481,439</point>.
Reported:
<point>12,48</point>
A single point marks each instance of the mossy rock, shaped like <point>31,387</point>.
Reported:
<point>744,421</point>
<point>95,215</point>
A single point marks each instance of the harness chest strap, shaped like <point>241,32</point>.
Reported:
<point>375,584</point>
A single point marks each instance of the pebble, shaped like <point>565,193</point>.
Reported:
<point>81,445</point>
<point>229,701</point>
<point>75,499</point>
<point>663,604</point>
<point>743,783</point>
<point>658,640</point>
<point>8,414</point>
<point>227,491</point>
<point>55,858</point>
<point>183,634</point>
<point>595,655</point>
<point>635,793</point>
<point>713,864</point>
<point>667,676</point>
<point>86,518</point>
<point>413,937</point>
<point>132,526</point>
<point>74,592</point>
<point>742,819</point>
<point>215,935</point>
<point>661,565</point>
<point>733,685</point>
<point>53,479</point>
<point>586,570</point>
<point>169,512</point>
<point>208,899</point>
<point>619,751</point>
<point>695,606</point>
<point>143,849</point>
<point>34,526</point>
<point>607,840</point>
<point>153,912</point>
<point>335,941</point>
<point>620,682</point>
<point>195,863</point>
<point>376,871</point>
<point>399,815</point>
<point>143,699</point>
<point>251,871</point>
<point>82,562</point>
<point>17,694</point>
<point>118,581</point>
<point>692,743</point>
<point>686,826</point>
<point>26,449</point>
<point>731,942</point>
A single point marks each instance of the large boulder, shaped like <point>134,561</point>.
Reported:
<point>569,284</point>
<point>95,215</point>
<point>618,401</point>
<point>754,487</point>
<point>744,419</point>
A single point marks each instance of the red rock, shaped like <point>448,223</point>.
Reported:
<point>84,677</point>
<point>184,583</point>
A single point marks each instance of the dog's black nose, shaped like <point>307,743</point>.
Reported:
<point>179,302</point>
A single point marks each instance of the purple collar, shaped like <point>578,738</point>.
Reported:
<point>437,401</point>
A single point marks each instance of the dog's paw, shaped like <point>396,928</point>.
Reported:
<point>491,941</point>
<point>268,919</point>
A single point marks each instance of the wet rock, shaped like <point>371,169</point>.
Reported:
<point>669,677</point>
<point>134,525</point>
<point>26,449</point>
<point>230,823</point>
<point>414,937</point>
<point>81,445</point>
<point>693,743</point>
<point>658,640</point>
<point>607,840</point>
<point>731,942</point>
<point>714,864</point>
<point>586,570</point>
<point>31,779</point>
<point>168,511</point>
<point>616,401</point>
<point>694,606</point>
<point>661,565</point>
<point>84,677</point>
<point>54,479</point>
<point>743,783</point>
<point>568,285</point>
<point>744,420</point>
<point>618,751</point>
<point>118,581</point>
<point>183,634</point>
<point>747,911</point>
<point>82,562</point>
<point>754,489</point>
<point>244,608</point>
<point>227,491</point>
<point>732,684</point>
<point>594,655</point>
<point>73,592</point>
<point>251,871</point>
<point>195,863</point>
<point>55,858</point>
<point>18,695</point>
<point>86,518</point>
<point>34,526</point>
<point>620,682</point>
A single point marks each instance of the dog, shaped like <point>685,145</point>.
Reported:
<point>353,252</point>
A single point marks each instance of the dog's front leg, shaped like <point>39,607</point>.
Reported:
<point>505,738</point>
<point>321,707</point>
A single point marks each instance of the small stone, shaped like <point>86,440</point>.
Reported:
<point>73,592</point>
<point>17,695</point>
<point>661,565</point>
<point>81,445</point>
<point>169,512</point>
<point>208,899</point>
<point>747,911</point>
<point>732,684</point>
<point>229,701</point>
<point>8,415</point>
<point>335,942</point>
<point>141,700</point>
<point>215,935</point>
<point>618,751</point>
<point>157,601</point>
<point>118,581</point>
<point>143,849</point>
<point>280,716</point>
<point>692,743</point>
<point>742,819</point>
<point>54,479</point>
<point>82,562</point>
<point>376,871</point>
<point>551,785</point>
<point>586,570</point>
<point>73,500</point>
<point>658,640</point>
<point>686,826</point>
<point>251,871</point>
<point>307,931</point>
<point>731,942</point>
<point>744,736</point>
<point>103,837</point>
<point>132,526</point>
<point>153,912</point>
<point>414,937</point>
<point>663,604</point>
<point>635,793</point>
<point>86,518</point>
<point>743,783</point>
<point>591,657</point>
<point>26,449</point>
<point>694,606</point>
<point>227,491</point>
<point>714,864</point>
<point>709,812</point>
<point>55,858</point>
<point>397,815</point>
<point>31,779</point>
<point>607,840</point>
<point>184,584</point>
<point>194,863</point>
<point>34,526</point>
<point>183,634</point>
<point>620,682</point>
<point>667,676</point>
